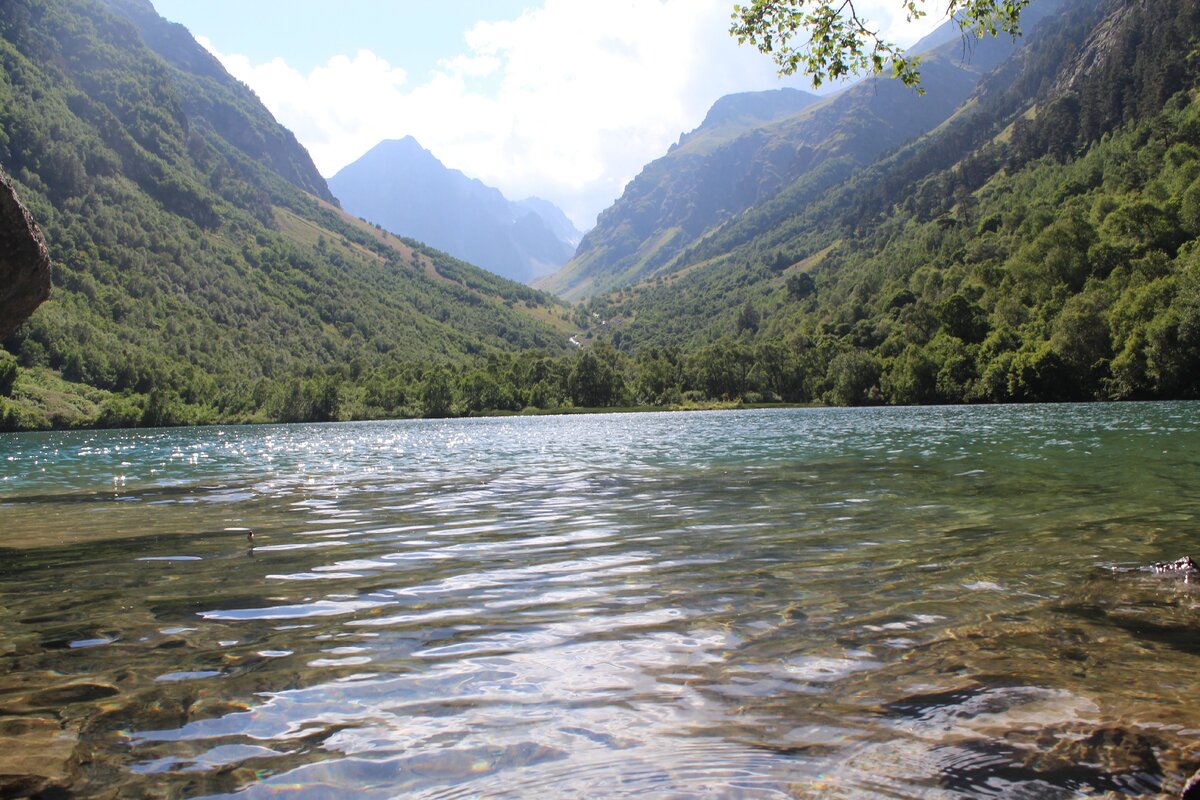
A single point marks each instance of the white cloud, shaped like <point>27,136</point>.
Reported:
<point>567,101</point>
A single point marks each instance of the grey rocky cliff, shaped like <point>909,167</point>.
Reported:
<point>24,261</point>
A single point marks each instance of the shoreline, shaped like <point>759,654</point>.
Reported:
<point>716,405</point>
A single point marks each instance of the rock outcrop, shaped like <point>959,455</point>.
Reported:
<point>24,261</point>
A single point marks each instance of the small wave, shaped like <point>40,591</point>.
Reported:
<point>318,608</point>
<point>174,677</point>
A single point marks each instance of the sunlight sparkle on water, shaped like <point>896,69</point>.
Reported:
<point>808,603</point>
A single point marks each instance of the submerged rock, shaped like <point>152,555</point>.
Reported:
<point>989,738</point>
<point>24,261</point>
<point>37,757</point>
<point>53,698</point>
<point>81,692</point>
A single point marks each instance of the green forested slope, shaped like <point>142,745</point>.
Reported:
<point>212,97</point>
<point>196,276</point>
<point>1041,245</point>
<point>727,166</point>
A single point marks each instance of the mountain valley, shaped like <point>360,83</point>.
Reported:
<point>1023,231</point>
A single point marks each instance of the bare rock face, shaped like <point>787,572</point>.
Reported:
<point>24,261</point>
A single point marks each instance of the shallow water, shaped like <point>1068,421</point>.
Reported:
<point>803,603</point>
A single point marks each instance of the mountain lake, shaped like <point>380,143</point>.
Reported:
<point>937,602</point>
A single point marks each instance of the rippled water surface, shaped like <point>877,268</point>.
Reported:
<point>934,603</point>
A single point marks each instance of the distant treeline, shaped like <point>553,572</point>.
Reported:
<point>733,369</point>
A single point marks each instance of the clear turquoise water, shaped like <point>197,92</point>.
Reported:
<point>802,603</point>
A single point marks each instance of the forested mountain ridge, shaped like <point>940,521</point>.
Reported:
<point>211,96</point>
<point>1040,245</point>
<point>196,278</point>
<point>734,162</point>
<point>404,188</point>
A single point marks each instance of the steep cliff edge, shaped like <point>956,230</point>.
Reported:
<point>24,261</point>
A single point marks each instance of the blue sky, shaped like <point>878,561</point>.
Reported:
<point>414,35</point>
<point>562,99</point>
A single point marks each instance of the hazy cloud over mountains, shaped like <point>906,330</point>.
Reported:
<point>567,101</point>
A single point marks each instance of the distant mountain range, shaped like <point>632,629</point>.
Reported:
<point>405,189</point>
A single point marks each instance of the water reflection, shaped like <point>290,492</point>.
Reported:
<point>824,603</point>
